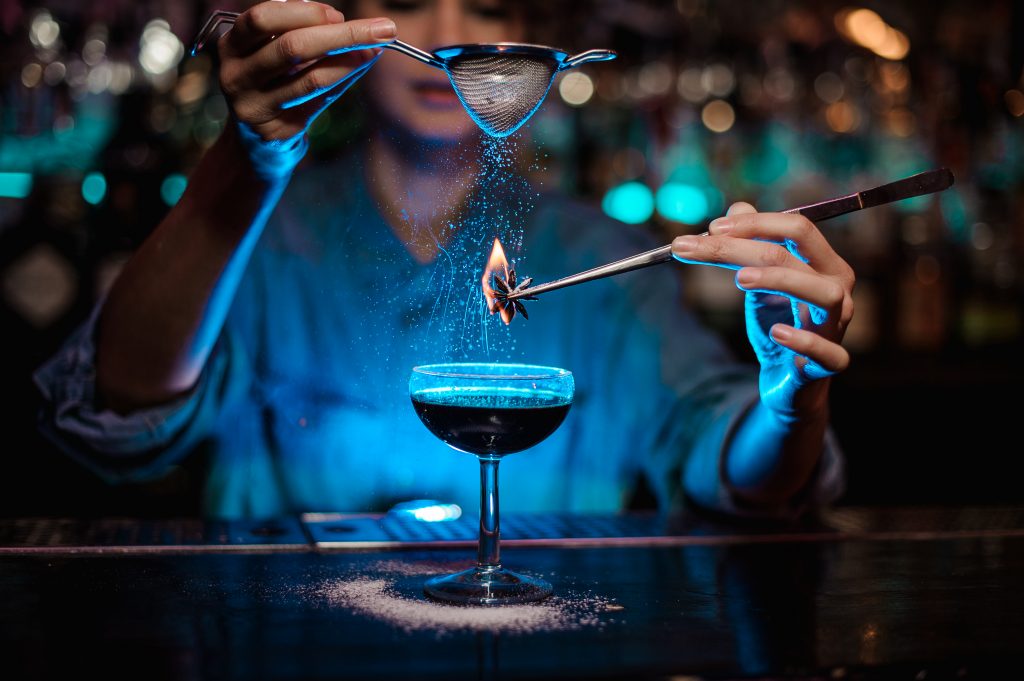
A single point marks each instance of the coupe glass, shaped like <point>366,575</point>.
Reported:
<point>490,410</point>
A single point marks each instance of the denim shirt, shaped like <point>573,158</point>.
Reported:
<point>304,400</point>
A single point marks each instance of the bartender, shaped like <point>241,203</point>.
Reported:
<point>275,313</point>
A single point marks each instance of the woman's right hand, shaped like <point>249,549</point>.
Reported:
<point>284,62</point>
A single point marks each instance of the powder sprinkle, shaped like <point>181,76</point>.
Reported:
<point>390,594</point>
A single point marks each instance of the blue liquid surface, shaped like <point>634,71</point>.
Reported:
<point>493,421</point>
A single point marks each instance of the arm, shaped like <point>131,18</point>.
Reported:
<point>162,316</point>
<point>798,305</point>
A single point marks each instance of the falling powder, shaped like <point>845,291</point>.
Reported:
<point>380,596</point>
<point>498,204</point>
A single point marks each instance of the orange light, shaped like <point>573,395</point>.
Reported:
<point>868,29</point>
<point>841,117</point>
<point>497,265</point>
<point>1015,102</point>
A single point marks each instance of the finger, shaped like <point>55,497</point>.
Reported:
<point>822,293</point>
<point>261,22</point>
<point>725,251</point>
<point>830,356</point>
<point>324,76</point>
<point>285,124</point>
<point>298,86</point>
<point>795,231</point>
<point>258,108</point>
<point>314,107</point>
<point>740,207</point>
<point>310,44</point>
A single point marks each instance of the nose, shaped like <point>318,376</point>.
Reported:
<point>449,24</point>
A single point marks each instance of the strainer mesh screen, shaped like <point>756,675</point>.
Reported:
<point>501,92</point>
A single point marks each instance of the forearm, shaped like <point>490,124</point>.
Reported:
<point>167,307</point>
<point>772,457</point>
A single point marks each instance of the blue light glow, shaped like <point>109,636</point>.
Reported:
<point>681,203</point>
<point>172,188</point>
<point>955,211</point>
<point>94,188</point>
<point>428,510</point>
<point>15,185</point>
<point>905,160</point>
<point>438,513</point>
<point>631,203</point>
<point>915,204</point>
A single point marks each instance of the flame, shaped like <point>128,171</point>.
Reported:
<point>497,265</point>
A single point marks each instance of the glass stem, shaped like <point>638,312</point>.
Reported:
<point>488,552</point>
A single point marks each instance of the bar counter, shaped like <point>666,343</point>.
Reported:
<point>860,593</point>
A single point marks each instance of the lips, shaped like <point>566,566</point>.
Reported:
<point>436,94</point>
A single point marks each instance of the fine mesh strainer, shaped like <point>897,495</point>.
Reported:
<point>500,84</point>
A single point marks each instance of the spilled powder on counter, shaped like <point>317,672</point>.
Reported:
<point>373,593</point>
<point>406,568</point>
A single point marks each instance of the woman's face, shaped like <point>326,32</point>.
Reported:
<point>416,97</point>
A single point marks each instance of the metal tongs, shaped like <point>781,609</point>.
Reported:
<point>927,182</point>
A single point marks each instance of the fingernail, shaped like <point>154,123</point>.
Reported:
<point>720,225</point>
<point>782,333</point>
<point>334,16</point>
<point>684,244</point>
<point>383,29</point>
<point>748,276</point>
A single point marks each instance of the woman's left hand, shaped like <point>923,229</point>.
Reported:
<point>799,301</point>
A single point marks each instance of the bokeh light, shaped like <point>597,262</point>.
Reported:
<point>842,117</point>
<point>867,29</point>
<point>1015,102</point>
<point>94,188</point>
<point>718,115</point>
<point>44,31</point>
<point>829,87</point>
<point>15,185</point>
<point>172,188</point>
<point>159,50</point>
<point>630,202</point>
<point>680,202</point>
<point>576,88</point>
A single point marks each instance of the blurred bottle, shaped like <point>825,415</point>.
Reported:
<point>992,307</point>
<point>924,286</point>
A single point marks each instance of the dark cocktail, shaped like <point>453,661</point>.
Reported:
<point>491,422</point>
<point>490,410</point>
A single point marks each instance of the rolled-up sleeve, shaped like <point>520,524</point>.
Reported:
<point>123,447</point>
<point>706,480</point>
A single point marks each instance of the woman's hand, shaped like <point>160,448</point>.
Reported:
<point>799,301</point>
<point>284,62</point>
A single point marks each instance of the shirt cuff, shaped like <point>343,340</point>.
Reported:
<point>104,440</point>
<point>272,159</point>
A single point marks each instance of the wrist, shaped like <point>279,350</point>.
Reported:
<point>766,461</point>
<point>271,160</point>
<point>805,404</point>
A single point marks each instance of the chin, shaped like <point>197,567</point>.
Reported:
<point>439,128</point>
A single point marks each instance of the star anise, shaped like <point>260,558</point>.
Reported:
<point>503,289</point>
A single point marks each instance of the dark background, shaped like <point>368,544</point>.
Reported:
<point>104,119</point>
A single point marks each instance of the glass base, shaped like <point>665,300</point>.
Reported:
<point>487,586</point>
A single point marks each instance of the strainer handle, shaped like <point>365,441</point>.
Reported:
<point>588,56</point>
<point>213,22</point>
<point>415,53</point>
